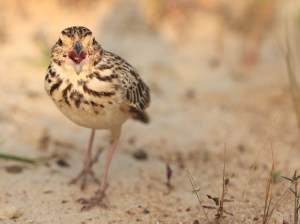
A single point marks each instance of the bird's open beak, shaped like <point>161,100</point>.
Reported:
<point>77,57</point>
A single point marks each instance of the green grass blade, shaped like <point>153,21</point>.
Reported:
<point>21,159</point>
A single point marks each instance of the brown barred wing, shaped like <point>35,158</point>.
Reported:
<point>136,93</point>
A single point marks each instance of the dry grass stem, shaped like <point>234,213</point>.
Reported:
<point>169,175</point>
<point>291,69</point>
<point>223,192</point>
<point>269,190</point>
<point>263,145</point>
<point>220,200</point>
<point>196,189</point>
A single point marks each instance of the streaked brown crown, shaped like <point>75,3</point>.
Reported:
<point>81,31</point>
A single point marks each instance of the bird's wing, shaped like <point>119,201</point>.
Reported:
<point>135,91</point>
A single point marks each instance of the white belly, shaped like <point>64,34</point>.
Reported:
<point>96,117</point>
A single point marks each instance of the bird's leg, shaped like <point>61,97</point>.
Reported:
<point>112,148</point>
<point>97,199</point>
<point>88,163</point>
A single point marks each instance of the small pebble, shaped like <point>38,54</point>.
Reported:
<point>140,154</point>
<point>64,201</point>
<point>241,148</point>
<point>130,212</point>
<point>62,163</point>
<point>190,94</point>
<point>48,192</point>
<point>14,169</point>
<point>214,62</point>
<point>146,211</point>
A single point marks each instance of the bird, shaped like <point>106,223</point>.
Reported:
<point>96,89</point>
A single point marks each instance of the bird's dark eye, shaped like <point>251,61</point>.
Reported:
<point>94,41</point>
<point>59,42</point>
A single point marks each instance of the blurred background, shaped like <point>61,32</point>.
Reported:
<point>217,71</point>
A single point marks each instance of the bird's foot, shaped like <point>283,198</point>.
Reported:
<point>87,170</point>
<point>93,201</point>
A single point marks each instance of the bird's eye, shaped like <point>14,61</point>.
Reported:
<point>94,41</point>
<point>59,42</point>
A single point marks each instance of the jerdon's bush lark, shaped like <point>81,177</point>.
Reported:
<point>95,89</point>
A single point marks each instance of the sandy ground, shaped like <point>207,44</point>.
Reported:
<point>197,105</point>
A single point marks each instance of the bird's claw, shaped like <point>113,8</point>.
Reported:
<point>91,202</point>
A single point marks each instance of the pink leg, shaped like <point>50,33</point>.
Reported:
<point>97,199</point>
<point>112,148</point>
<point>89,153</point>
<point>88,163</point>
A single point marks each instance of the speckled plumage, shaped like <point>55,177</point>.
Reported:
<point>104,95</point>
<point>94,88</point>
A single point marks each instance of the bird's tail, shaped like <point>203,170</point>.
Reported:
<point>141,116</point>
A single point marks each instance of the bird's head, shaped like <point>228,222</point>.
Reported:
<point>76,49</point>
